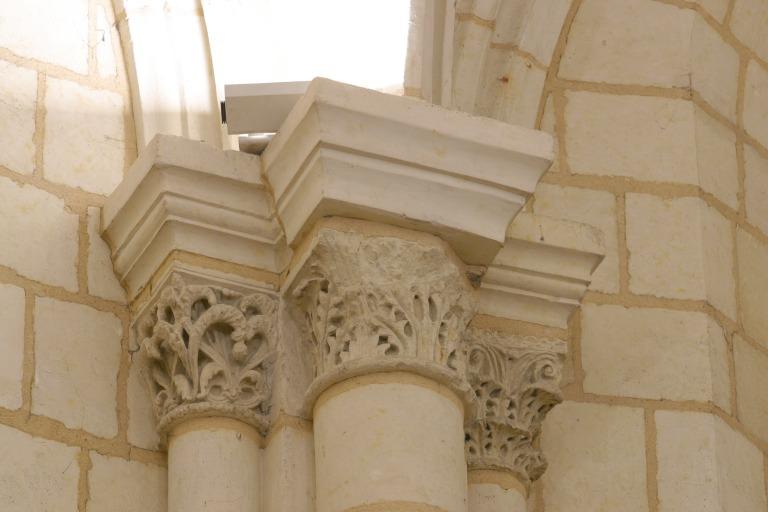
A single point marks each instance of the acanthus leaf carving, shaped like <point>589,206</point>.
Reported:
<point>516,381</point>
<point>210,351</point>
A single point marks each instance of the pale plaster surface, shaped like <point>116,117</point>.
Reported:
<point>653,353</point>
<point>64,24</point>
<point>38,235</point>
<point>597,459</point>
<point>85,136</point>
<point>214,469</point>
<point>598,127</point>
<point>407,444</point>
<point>706,466</point>
<point>11,345</point>
<point>753,281</point>
<point>17,116</point>
<point>36,475</point>
<point>756,188</point>
<point>77,354</point>
<point>751,381</point>
<point>119,485</point>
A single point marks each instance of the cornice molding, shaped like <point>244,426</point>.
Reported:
<point>516,382</point>
<point>352,152</point>
<point>211,352</point>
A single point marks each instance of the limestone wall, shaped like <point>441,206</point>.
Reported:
<point>66,137</point>
<point>660,109</point>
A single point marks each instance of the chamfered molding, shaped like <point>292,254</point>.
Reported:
<point>353,152</point>
<point>182,195</point>
<point>516,381</point>
<point>210,352</point>
<point>380,303</point>
<point>543,270</point>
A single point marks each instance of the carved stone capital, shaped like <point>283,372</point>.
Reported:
<point>210,352</point>
<point>382,303</point>
<point>516,381</point>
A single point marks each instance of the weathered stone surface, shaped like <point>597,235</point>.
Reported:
<point>600,126</point>
<point>714,68</point>
<point>756,188</point>
<point>77,354</point>
<point>704,465</point>
<point>17,116</point>
<point>748,22</point>
<point>753,282</point>
<point>629,42</point>
<point>102,281</point>
<point>543,25</point>
<point>716,158</point>
<point>592,207</point>
<point>36,474</point>
<point>84,136</point>
<point>38,235</point>
<point>717,247</point>
<point>756,101</point>
<point>716,8</point>
<point>65,25</point>
<point>751,382</point>
<point>596,458</point>
<point>11,345</point>
<point>653,353</point>
<point>664,242</point>
<point>142,424</point>
<point>289,484</point>
<point>126,486</point>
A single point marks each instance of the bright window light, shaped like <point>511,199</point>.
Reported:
<point>362,42</point>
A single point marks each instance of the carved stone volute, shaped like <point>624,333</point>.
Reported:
<point>379,303</point>
<point>516,381</point>
<point>210,353</point>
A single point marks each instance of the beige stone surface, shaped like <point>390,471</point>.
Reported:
<point>214,469</point>
<point>84,136</point>
<point>748,22</point>
<point>142,425</point>
<point>629,42</point>
<point>653,353</point>
<point>592,207</point>
<point>716,159</point>
<point>490,497</point>
<point>119,485</point>
<point>714,68</point>
<point>64,24</point>
<point>756,188</point>
<point>77,354</point>
<point>289,479</point>
<point>753,282</point>
<point>102,281</point>
<point>11,345</point>
<point>36,475</point>
<point>407,444</point>
<point>705,466</point>
<point>596,459</point>
<point>600,126</point>
<point>717,8</point>
<point>18,90</point>
<point>38,235</point>
<point>717,246</point>
<point>665,251</point>
<point>756,101</point>
<point>751,382</point>
<point>542,27</point>
<point>106,31</point>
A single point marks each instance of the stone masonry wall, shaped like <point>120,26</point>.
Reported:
<point>66,138</point>
<point>660,110</point>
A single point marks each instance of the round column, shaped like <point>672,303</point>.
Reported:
<point>210,352</point>
<point>214,465</point>
<point>391,441</point>
<point>496,491</point>
<point>390,397</point>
